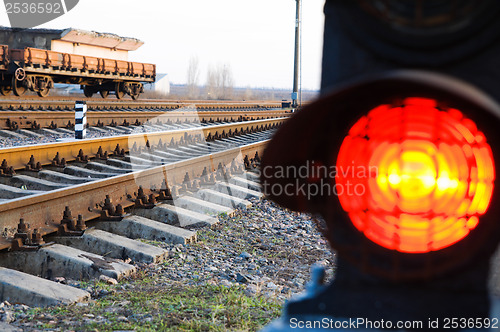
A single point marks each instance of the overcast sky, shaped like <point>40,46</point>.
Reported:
<point>255,37</point>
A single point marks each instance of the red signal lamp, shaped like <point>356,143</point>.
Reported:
<point>429,175</point>
<point>408,186</point>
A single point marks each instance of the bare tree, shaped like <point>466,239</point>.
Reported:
<point>227,82</point>
<point>193,76</point>
<point>220,82</point>
<point>212,89</point>
<point>248,94</point>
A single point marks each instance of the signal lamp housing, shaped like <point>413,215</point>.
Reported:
<point>402,169</point>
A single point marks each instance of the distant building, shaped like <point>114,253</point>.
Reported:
<point>161,86</point>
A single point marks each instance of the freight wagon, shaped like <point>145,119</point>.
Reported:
<point>38,69</point>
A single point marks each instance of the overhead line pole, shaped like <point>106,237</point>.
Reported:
<point>297,56</point>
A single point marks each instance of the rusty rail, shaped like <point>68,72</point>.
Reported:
<point>68,103</point>
<point>44,212</point>
<point>18,157</point>
<point>61,119</point>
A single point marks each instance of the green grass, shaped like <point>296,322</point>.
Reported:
<point>193,306</point>
<point>176,308</point>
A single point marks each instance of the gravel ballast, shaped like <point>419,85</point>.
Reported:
<point>236,277</point>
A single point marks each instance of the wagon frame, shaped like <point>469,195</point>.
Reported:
<point>38,70</point>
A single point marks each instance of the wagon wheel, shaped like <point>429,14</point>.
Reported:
<point>88,91</point>
<point>43,92</point>
<point>18,87</point>
<point>47,83</point>
<point>104,93</point>
<point>5,90</point>
<point>20,74</point>
<point>119,90</point>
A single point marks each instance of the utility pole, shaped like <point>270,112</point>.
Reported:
<point>296,68</point>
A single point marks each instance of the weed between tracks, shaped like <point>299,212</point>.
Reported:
<point>196,308</point>
<point>235,278</point>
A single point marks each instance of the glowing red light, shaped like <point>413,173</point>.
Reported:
<point>423,176</point>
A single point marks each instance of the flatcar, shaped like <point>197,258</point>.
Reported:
<point>38,69</point>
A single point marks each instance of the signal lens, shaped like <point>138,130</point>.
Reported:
<point>415,178</point>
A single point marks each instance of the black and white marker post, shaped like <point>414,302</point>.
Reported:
<point>80,120</point>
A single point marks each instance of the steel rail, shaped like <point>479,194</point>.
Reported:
<point>19,156</point>
<point>99,103</point>
<point>44,211</point>
<point>61,119</point>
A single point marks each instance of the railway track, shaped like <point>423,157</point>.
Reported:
<point>37,114</point>
<point>154,185</point>
<point>68,100</point>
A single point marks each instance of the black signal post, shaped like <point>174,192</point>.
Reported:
<point>409,94</point>
<point>296,65</point>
